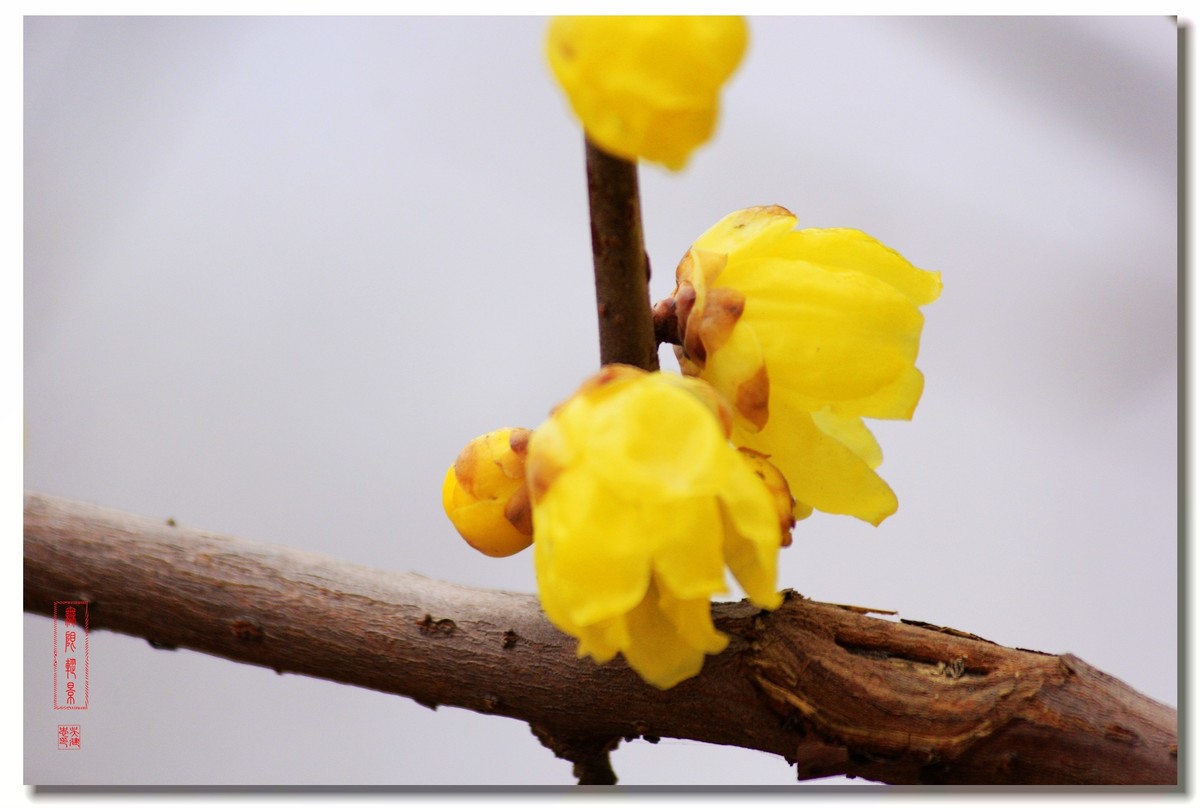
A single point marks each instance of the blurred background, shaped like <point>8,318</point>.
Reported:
<point>279,270</point>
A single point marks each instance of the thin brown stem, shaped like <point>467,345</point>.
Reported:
<point>619,258</point>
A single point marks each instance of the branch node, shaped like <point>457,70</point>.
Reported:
<point>246,630</point>
<point>428,625</point>
<point>666,324</point>
<point>588,756</point>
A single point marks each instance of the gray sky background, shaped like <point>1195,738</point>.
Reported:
<point>279,270</point>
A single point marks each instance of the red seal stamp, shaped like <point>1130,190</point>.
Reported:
<point>69,737</point>
<point>70,657</point>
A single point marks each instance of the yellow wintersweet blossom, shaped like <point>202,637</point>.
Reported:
<point>485,495</point>
<point>646,87</point>
<point>639,504</point>
<point>806,332</point>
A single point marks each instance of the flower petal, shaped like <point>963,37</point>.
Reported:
<point>692,618</point>
<point>740,374</point>
<point>842,249</point>
<point>852,432</point>
<point>896,401</point>
<point>590,549</point>
<point>483,525</point>
<point>749,229</point>
<point>752,537</point>
<point>821,470</point>
<point>602,641</point>
<point>689,559</point>
<point>656,650</point>
<point>830,336</point>
<point>661,442</point>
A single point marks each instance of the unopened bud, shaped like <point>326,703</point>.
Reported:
<point>485,494</point>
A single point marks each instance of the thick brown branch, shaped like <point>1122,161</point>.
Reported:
<point>918,703</point>
<point>826,687</point>
<point>619,258</point>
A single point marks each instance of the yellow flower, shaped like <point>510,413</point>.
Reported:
<point>485,495</point>
<point>806,333</point>
<point>646,86</point>
<point>639,504</point>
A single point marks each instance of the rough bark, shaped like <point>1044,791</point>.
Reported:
<point>828,688</point>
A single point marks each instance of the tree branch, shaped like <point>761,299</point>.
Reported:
<point>828,688</point>
<point>619,259</point>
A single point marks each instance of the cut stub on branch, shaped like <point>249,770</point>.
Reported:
<point>921,704</point>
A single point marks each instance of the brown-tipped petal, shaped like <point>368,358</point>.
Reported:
<point>742,228</point>
<point>694,348</point>
<point>686,366</point>
<point>709,396</point>
<point>518,511</point>
<point>689,340</point>
<point>781,494</point>
<point>465,465</point>
<point>607,375</point>
<point>722,310</point>
<point>708,264</point>
<point>753,398</point>
<point>685,299</point>
<point>518,441</point>
<point>542,472</point>
<point>487,465</point>
<point>685,270</point>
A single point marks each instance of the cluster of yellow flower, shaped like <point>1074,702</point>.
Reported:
<point>642,488</point>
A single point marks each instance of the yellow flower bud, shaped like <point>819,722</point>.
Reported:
<point>646,86</point>
<point>485,494</point>
<point>640,503</point>
<point>805,333</point>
